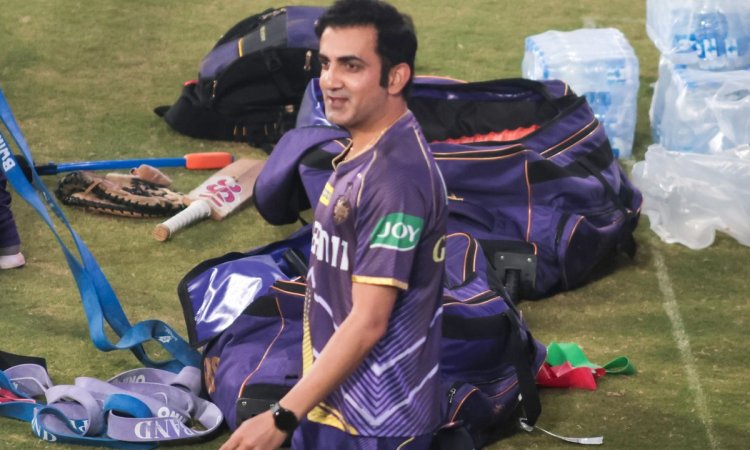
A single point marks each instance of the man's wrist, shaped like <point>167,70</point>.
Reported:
<point>284,419</point>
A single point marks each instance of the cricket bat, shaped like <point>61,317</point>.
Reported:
<point>217,197</point>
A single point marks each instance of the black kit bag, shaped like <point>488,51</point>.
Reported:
<point>251,83</point>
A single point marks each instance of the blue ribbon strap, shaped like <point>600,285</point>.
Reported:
<point>99,301</point>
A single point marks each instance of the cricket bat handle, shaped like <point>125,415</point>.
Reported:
<point>197,210</point>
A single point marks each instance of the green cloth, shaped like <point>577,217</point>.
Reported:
<point>560,352</point>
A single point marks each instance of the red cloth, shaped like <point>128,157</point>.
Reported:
<point>8,396</point>
<point>567,376</point>
<point>500,136</point>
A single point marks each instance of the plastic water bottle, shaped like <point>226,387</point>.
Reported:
<point>711,36</point>
<point>681,40</point>
<point>700,111</point>
<point>706,34</point>
<point>600,102</point>
<point>731,108</point>
<point>668,24</point>
<point>737,42</point>
<point>598,64</point>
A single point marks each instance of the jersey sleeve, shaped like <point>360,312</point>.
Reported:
<point>390,222</point>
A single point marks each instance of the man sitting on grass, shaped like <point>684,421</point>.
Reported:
<point>372,311</point>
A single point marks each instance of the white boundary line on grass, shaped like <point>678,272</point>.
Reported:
<point>683,344</point>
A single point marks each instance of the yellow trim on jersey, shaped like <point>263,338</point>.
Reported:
<point>325,196</point>
<point>341,156</point>
<point>324,414</point>
<point>381,281</point>
<point>307,352</point>
<point>307,349</point>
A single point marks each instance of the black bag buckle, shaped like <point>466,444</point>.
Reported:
<point>512,266</point>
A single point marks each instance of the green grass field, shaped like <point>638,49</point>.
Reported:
<point>82,79</point>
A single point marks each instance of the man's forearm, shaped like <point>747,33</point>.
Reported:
<point>343,353</point>
<point>346,349</point>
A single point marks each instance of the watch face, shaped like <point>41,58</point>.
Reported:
<point>284,419</point>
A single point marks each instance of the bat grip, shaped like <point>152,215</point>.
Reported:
<point>197,210</point>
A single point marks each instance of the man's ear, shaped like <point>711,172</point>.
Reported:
<point>398,77</point>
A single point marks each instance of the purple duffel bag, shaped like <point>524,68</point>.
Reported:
<point>529,170</point>
<point>253,355</point>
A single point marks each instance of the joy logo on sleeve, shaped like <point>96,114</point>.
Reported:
<point>397,231</point>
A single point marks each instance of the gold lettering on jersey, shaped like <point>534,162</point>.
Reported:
<point>328,248</point>
<point>438,251</point>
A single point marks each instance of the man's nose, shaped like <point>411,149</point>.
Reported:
<point>330,79</point>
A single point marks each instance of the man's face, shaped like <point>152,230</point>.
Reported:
<point>350,78</point>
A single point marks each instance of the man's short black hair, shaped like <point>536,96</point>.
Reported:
<point>396,42</point>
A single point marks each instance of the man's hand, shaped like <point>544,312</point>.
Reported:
<point>257,433</point>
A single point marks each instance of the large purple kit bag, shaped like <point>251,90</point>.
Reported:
<point>246,310</point>
<point>253,353</point>
<point>549,203</point>
<point>258,358</point>
<point>487,355</point>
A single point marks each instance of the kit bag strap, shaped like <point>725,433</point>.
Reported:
<point>134,410</point>
<point>100,303</point>
<point>528,423</point>
<point>521,355</point>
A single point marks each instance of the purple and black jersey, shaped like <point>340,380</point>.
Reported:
<point>381,220</point>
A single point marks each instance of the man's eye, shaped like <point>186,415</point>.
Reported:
<point>352,67</point>
<point>324,65</point>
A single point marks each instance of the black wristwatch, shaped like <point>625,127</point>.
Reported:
<point>284,419</point>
